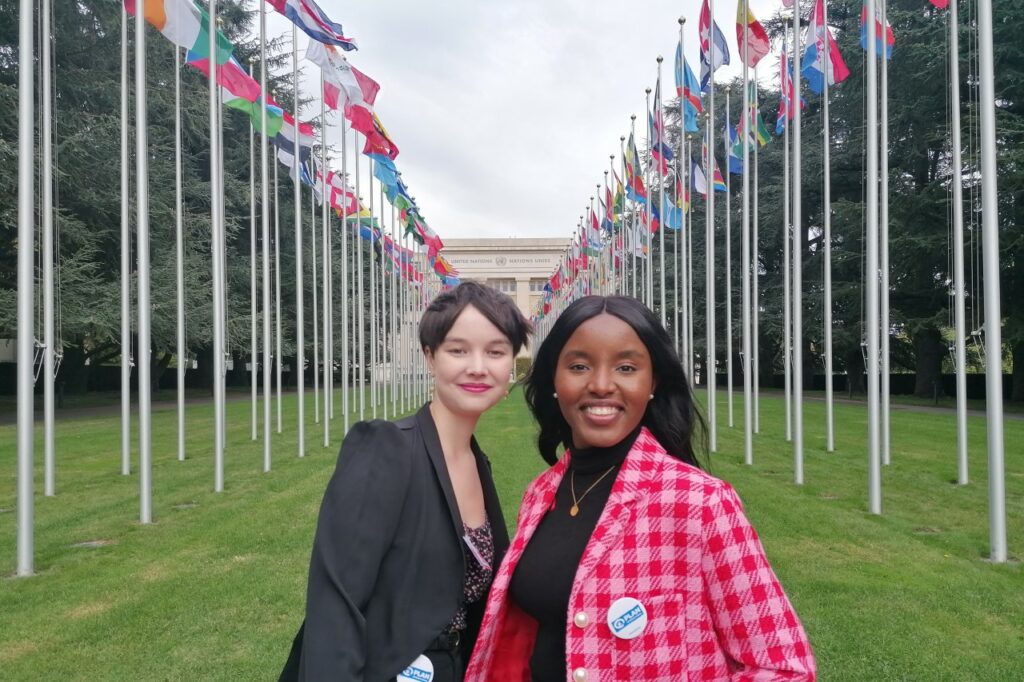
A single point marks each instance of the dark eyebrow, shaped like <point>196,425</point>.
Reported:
<point>502,340</point>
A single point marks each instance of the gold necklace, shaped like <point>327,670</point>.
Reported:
<point>575,508</point>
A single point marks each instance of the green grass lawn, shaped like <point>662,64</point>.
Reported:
<point>214,588</point>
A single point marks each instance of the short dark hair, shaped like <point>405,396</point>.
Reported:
<point>497,307</point>
<point>671,416</point>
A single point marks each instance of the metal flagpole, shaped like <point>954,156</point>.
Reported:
<point>689,277</point>
<point>373,294</point>
<point>126,255</point>
<point>632,221</point>
<point>748,364</point>
<point>314,309</point>
<point>871,266</point>
<point>344,279</point>
<point>385,378</point>
<point>728,267</point>
<point>798,241</point>
<point>395,283</point>
<point>253,348</point>
<point>328,285</point>
<point>277,291</point>
<point>359,300</point>
<point>142,225</point>
<point>958,252</point>
<point>179,250</point>
<point>755,351</point>
<point>661,206</point>
<point>648,255</point>
<point>883,243</point>
<point>787,331</point>
<point>300,331</point>
<point>216,246</point>
<point>265,233</point>
<point>47,229</point>
<point>709,248</point>
<point>26,272</point>
<point>682,162</point>
<point>826,145</point>
<point>993,319</point>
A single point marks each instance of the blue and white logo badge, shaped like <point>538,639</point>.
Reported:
<point>627,618</point>
<point>420,670</point>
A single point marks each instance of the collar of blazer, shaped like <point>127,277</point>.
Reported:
<point>432,441</point>
<point>637,475</point>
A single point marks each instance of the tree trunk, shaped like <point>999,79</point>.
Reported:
<point>929,350</point>
<point>1017,392</point>
<point>74,373</point>
<point>854,361</point>
<point>204,361</point>
<point>159,365</point>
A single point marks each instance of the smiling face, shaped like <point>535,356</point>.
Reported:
<point>604,379</point>
<point>471,367</point>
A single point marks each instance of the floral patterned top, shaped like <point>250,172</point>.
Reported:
<point>478,577</point>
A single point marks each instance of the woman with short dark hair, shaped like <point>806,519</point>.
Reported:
<point>410,530</point>
<point>629,562</point>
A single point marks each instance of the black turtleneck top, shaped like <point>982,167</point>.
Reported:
<point>543,578</point>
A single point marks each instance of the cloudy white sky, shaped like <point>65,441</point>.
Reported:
<point>505,113</point>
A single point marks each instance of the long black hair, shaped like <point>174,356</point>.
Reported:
<point>672,415</point>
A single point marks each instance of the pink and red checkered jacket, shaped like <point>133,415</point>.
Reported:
<point>677,540</point>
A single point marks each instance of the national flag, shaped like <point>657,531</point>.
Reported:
<point>378,142</point>
<point>635,189</point>
<point>275,115</point>
<point>608,223</point>
<point>186,25</point>
<point>231,76</point>
<point>312,21</point>
<point>384,169</point>
<point>698,179</point>
<point>619,203</point>
<point>889,41</point>
<point>719,181</point>
<point>818,37</point>
<point>655,218</point>
<point>940,4</point>
<point>344,84</point>
<point>688,90</point>
<point>289,143</point>
<point>735,148</point>
<point>750,31</point>
<point>787,91</point>
<point>711,40</point>
<point>339,196</point>
<point>661,152</point>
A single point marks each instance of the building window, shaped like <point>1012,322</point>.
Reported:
<point>537,285</point>
<point>506,285</point>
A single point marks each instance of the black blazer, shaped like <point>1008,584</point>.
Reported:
<point>386,575</point>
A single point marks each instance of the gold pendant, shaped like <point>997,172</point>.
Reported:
<point>574,510</point>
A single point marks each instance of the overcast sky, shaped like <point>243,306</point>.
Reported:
<point>505,113</point>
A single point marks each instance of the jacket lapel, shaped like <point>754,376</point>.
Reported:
<point>492,505</point>
<point>633,479</point>
<point>432,441</point>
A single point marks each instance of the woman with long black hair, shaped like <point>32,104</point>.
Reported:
<point>629,561</point>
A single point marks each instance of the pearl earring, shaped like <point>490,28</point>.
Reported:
<point>555,395</point>
<point>651,397</point>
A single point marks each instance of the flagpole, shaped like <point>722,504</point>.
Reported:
<point>787,317</point>
<point>681,165</point>
<point>300,331</point>
<point>126,250</point>
<point>217,263</point>
<point>313,285</point>
<point>265,235</point>
<point>344,278</point>
<point>142,225</point>
<point>277,293</point>
<point>47,229</point>
<point>359,299</point>
<point>253,364</point>
<point>728,268</point>
<point>709,245</point>
<point>993,318</point>
<point>632,235</point>
<point>179,261</point>
<point>622,222</point>
<point>661,202</point>
<point>26,272</point>
<point>755,354</point>
<point>958,251</point>
<point>871,265</point>
<point>827,236</point>
<point>689,279</point>
<point>748,364</point>
<point>373,296</point>
<point>883,242</point>
<point>648,256</point>
<point>798,241</point>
